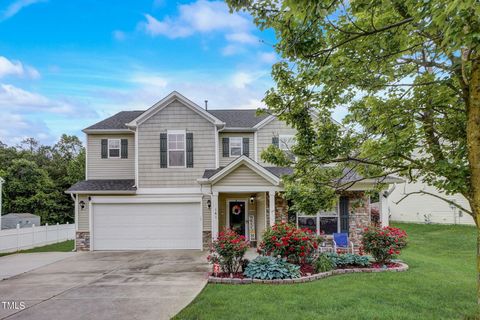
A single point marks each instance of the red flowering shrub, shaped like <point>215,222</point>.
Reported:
<point>298,246</point>
<point>228,251</point>
<point>383,243</point>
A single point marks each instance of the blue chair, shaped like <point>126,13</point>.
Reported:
<point>341,242</point>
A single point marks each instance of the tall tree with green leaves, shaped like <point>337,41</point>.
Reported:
<point>407,74</point>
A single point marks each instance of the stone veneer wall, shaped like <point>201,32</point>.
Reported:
<point>281,208</point>
<point>82,240</point>
<point>207,240</point>
<point>359,215</point>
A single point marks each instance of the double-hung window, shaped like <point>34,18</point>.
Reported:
<point>285,143</point>
<point>176,148</point>
<point>236,146</point>
<point>324,222</point>
<point>114,148</point>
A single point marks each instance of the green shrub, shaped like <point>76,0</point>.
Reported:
<point>269,268</point>
<point>285,240</point>
<point>323,263</point>
<point>348,259</point>
<point>384,243</point>
<point>228,250</point>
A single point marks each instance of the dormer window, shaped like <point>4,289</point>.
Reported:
<point>114,148</point>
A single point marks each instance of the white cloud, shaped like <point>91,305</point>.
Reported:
<point>242,79</point>
<point>232,49</point>
<point>242,37</point>
<point>119,35</point>
<point>268,57</point>
<point>201,16</point>
<point>16,68</point>
<point>149,80</point>
<point>15,7</point>
<point>24,101</point>
<point>16,127</point>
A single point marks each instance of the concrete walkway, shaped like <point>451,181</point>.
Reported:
<point>108,285</point>
<point>19,263</point>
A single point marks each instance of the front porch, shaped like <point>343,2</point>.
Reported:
<point>248,198</point>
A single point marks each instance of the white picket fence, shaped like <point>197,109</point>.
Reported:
<point>12,240</point>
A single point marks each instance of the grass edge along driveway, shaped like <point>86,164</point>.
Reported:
<point>64,246</point>
<point>439,285</point>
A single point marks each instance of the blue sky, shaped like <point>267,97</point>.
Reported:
<point>67,64</point>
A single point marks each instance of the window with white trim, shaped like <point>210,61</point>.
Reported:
<point>236,146</point>
<point>114,148</point>
<point>286,142</point>
<point>324,223</point>
<point>176,148</point>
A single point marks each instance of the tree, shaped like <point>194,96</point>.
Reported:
<point>408,75</point>
<point>28,188</point>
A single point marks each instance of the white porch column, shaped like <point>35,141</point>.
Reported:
<point>271,202</point>
<point>384,208</point>
<point>214,212</point>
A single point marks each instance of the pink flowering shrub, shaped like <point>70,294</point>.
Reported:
<point>228,251</point>
<point>383,243</point>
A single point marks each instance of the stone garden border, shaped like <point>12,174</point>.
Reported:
<point>401,268</point>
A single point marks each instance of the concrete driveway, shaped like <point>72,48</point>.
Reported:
<point>107,285</point>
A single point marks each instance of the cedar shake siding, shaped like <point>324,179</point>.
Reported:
<point>105,168</point>
<point>226,160</point>
<point>175,116</point>
<point>272,129</point>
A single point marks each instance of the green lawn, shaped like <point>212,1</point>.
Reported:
<point>55,247</point>
<point>439,285</point>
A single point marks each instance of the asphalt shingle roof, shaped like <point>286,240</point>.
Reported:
<point>238,118</point>
<point>232,119</point>
<point>104,185</point>
<point>117,121</point>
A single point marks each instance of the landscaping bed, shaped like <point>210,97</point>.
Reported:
<point>239,278</point>
<point>290,255</point>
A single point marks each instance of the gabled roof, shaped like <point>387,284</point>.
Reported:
<point>104,186</point>
<point>116,122</point>
<point>220,173</point>
<point>165,102</point>
<point>239,118</point>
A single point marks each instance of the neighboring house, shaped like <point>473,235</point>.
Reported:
<point>174,175</point>
<point>424,208</point>
<point>24,220</point>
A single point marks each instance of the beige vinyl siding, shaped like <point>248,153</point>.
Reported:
<point>175,116</point>
<point>83,215</point>
<point>207,214</point>
<point>99,168</point>
<point>265,135</point>
<point>243,176</point>
<point>226,160</point>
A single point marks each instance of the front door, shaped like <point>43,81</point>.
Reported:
<point>236,211</point>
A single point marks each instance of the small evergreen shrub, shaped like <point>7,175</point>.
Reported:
<point>323,263</point>
<point>348,259</point>
<point>270,268</point>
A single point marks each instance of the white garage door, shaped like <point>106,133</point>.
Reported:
<point>146,226</point>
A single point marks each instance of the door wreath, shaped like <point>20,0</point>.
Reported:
<point>236,209</point>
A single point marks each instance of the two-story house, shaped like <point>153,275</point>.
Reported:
<point>172,176</point>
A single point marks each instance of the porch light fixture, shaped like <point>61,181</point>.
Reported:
<point>82,204</point>
<point>209,204</point>
<point>252,199</point>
